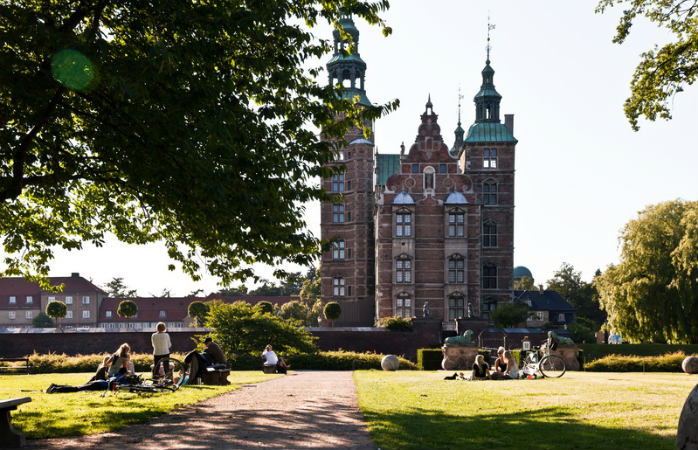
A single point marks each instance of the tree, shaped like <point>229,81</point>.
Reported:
<point>332,312</point>
<point>582,295</point>
<point>198,311</point>
<point>509,315</point>
<point>264,307</point>
<point>652,294</point>
<point>310,289</point>
<point>524,284</point>
<point>209,146</point>
<point>127,308</point>
<point>242,328</point>
<point>295,310</point>
<point>56,310</point>
<point>42,321</point>
<point>662,72</point>
<point>233,291</point>
<point>117,288</point>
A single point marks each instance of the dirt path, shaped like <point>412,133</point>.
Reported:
<point>301,410</point>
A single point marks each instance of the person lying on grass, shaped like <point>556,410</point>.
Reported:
<point>98,382</point>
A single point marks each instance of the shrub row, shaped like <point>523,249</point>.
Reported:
<point>670,362</point>
<point>396,323</point>
<point>336,360</point>
<point>597,351</point>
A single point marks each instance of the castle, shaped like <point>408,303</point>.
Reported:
<point>428,229</point>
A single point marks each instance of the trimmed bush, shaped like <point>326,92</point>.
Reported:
<point>670,362</point>
<point>429,358</point>
<point>597,351</point>
<point>62,363</point>
<point>342,360</point>
<point>396,323</point>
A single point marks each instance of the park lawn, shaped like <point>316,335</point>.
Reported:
<point>79,413</point>
<point>582,410</point>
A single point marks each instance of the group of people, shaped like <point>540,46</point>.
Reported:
<point>115,369</point>
<point>505,368</point>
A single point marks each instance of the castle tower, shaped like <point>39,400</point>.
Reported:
<point>488,158</point>
<point>348,268</point>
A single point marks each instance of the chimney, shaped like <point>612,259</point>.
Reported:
<point>75,275</point>
<point>509,122</point>
<point>540,288</point>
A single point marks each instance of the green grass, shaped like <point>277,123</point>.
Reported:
<point>582,410</point>
<point>79,413</point>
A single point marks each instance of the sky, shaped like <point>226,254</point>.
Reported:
<point>581,172</point>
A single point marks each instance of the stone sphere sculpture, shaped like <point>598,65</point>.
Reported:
<point>690,364</point>
<point>390,362</point>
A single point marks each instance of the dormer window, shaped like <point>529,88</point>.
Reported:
<point>163,314</point>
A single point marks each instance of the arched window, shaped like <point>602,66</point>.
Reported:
<point>489,233</point>
<point>338,287</point>
<point>403,270</point>
<point>489,192</point>
<point>456,269</point>
<point>456,306</point>
<point>338,249</point>
<point>403,306</point>
<point>429,178</point>
<point>338,182</point>
<point>489,276</point>
<point>456,223</point>
<point>403,223</point>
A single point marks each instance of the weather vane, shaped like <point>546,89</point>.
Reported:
<point>460,97</point>
<point>490,27</point>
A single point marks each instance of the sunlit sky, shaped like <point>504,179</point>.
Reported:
<point>581,172</point>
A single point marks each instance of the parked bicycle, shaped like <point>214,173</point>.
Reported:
<point>549,366</point>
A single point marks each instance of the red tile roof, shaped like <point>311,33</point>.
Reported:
<point>21,288</point>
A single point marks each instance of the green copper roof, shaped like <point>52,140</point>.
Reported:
<point>489,132</point>
<point>487,93</point>
<point>351,57</point>
<point>350,93</point>
<point>386,165</point>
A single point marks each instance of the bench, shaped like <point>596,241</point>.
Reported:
<point>269,369</point>
<point>215,376</point>
<point>27,365</point>
<point>9,437</point>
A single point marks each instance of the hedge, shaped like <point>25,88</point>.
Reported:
<point>597,351</point>
<point>429,358</point>
<point>62,363</point>
<point>670,362</point>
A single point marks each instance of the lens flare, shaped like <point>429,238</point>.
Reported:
<point>72,69</point>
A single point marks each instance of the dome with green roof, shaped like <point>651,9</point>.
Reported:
<point>522,271</point>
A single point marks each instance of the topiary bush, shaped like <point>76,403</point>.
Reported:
<point>670,362</point>
<point>396,323</point>
<point>429,358</point>
<point>332,311</point>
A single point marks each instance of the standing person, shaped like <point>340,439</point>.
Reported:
<point>213,353</point>
<point>119,360</point>
<point>161,349</point>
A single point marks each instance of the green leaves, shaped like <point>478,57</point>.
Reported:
<point>662,72</point>
<point>197,128</point>
<point>127,308</point>
<point>652,295</point>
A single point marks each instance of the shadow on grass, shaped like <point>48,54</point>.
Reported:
<point>548,428</point>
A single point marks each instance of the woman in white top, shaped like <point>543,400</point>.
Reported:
<point>512,370</point>
<point>161,349</point>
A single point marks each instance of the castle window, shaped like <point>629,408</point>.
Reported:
<point>415,168</point>
<point>338,182</point>
<point>403,270</point>
<point>85,314</point>
<point>403,221</point>
<point>12,315</point>
<point>489,192</point>
<point>338,287</point>
<point>30,299</point>
<point>13,299</point>
<point>488,307</point>
<point>489,158</point>
<point>489,276</point>
<point>489,234</point>
<point>456,223</point>
<point>443,168</point>
<point>108,314</point>
<point>338,213</point>
<point>338,249</point>
<point>68,300</point>
<point>403,306</point>
<point>456,307</point>
<point>456,269</point>
<point>429,178</point>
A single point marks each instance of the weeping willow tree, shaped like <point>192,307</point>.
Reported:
<point>652,294</point>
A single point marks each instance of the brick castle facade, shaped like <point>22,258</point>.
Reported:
<point>431,225</point>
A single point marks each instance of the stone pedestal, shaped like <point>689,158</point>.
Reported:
<point>568,353</point>
<point>458,357</point>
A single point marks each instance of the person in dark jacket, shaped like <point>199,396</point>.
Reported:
<point>213,353</point>
<point>98,382</point>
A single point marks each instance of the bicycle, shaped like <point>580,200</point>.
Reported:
<point>167,383</point>
<point>549,366</point>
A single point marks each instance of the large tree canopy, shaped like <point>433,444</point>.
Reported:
<point>662,72</point>
<point>582,295</point>
<point>652,294</point>
<point>192,123</point>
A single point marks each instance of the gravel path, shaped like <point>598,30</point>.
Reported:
<point>300,410</point>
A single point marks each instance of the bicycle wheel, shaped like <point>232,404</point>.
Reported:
<point>552,366</point>
<point>176,369</point>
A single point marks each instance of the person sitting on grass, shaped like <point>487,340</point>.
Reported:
<point>270,359</point>
<point>120,360</point>
<point>98,382</point>
<point>512,370</point>
<point>481,370</point>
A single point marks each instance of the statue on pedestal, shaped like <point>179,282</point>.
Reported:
<point>469,311</point>
<point>425,310</point>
